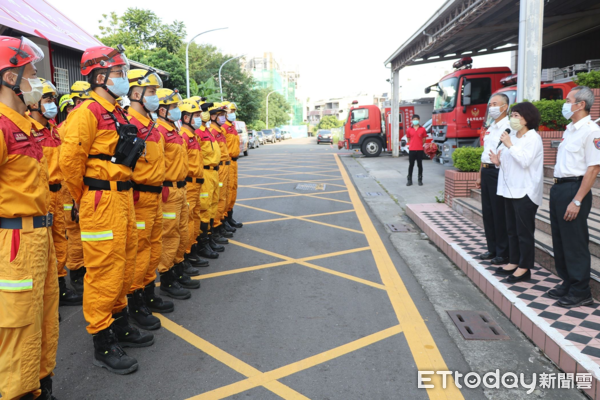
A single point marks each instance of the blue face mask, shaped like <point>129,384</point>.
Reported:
<point>174,114</point>
<point>50,110</point>
<point>207,124</point>
<point>151,103</point>
<point>120,86</point>
<point>415,122</point>
<point>231,117</point>
<point>154,116</point>
<point>197,123</point>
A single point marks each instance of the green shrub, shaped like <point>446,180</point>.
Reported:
<point>590,79</point>
<point>551,113</point>
<point>467,159</point>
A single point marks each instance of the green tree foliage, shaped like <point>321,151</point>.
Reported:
<point>162,59</point>
<point>208,90</point>
<point>590,79</point>
<point>467,159</point>
<point>551,113</point>
<point>329,122</point>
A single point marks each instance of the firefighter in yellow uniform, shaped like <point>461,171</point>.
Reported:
<point>191,121</point>
<point>148,177</point>
<point>173,282</point>
<point>209,193</point>
<point>80,90</point>
<point>28,280</point>
<point>97,161</point>
<point>233,145</point>
<point>46,135</point>
<point>218,118</point>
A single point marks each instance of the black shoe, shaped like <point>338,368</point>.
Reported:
<point>232,221</point>
<point>486,256</point>
<point>139,312</point>
<point>169,286</point>
<point>68,297</point>
<point>224,232</point>
<point>156,303</point>
<point>499,261</point>
<point>514,279</point>
<point>110,355</point>
<point>570,301</point>
<point>502,271</point>
<point>202,263</point>
<point>46,387</point>
<point>128,335</point>
<point>184,280</point>
<point>206,250</point>
<point>420,180</point>
<point>214,234</point>
<point>409,181</point>
<point>557,293</point>
<point>76,278</point>
<point>228,227</point>
<point>188,266</point>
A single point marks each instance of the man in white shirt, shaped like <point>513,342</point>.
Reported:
<point>494,219</point>
<point>577,166</point>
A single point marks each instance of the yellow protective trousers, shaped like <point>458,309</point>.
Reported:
<point>193,199</point>
<point>149,223</point>
<point>209,196</point>
<point>74,247</point>
<point>58,231</point>
<point>172,209</point>
<point>183,228</point>
<point>109,237</point>
<point>233,186</point>
<point>223,182</point>
<point>28,309</point>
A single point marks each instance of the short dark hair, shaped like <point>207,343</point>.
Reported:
<point>529,112</point>
<point>416,116</point>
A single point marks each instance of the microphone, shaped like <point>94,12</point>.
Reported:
<point>507,130</point>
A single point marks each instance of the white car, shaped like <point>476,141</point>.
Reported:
<point>286,135</point>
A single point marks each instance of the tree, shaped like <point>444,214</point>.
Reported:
<point>208,89</point>
<point>162,59</point>
<point>329,122</point>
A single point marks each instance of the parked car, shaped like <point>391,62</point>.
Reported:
<point>243,134</point>
<point>278,136</point>
<point>269,135</point>
<point>260,136</point>
<point>324,136</point>
<point>286,135</point>
<point>253,142</point>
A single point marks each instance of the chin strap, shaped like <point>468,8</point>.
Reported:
<point>17,86</point>
<point>141,101</point>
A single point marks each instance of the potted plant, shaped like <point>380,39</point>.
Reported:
<point>552,126</point>
<point>592,80</point>
<point>460,181</point>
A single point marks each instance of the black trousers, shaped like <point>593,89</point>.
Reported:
<point>570,240</point>
<point>520,227</point>
<point>494,214</point>
<point>412,156</point>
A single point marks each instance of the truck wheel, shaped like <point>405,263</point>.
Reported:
<point>371,147</point>
<point>246,153</point>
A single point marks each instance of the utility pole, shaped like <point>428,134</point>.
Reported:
<point>531,27</point>
<point>221,87</point>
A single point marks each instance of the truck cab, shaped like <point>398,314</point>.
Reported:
<point>362,130</point>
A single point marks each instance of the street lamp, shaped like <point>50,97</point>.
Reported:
<point>187,60</point>
<point>268,107</point>
<point>221,87</point>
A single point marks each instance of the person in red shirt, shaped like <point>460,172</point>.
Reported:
<point>415,136</point>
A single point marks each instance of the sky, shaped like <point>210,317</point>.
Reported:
<point>338,47</point>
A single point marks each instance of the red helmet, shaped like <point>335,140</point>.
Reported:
<point>17,52</point>
<point>103,57</point>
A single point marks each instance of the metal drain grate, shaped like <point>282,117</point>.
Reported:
<point>311,186</point>
<point>477,325</point>
<point>397,227</point>
<point>362,176</point>
<point>373,193</point>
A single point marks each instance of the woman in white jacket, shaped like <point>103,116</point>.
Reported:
<point>520,181</point>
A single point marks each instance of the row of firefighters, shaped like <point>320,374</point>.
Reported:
<point>125,192</point>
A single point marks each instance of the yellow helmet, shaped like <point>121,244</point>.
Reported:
<point>81,89</point>
<point>189,106</point>
<point>65,101</point>
<point>216,108</point>
<point>232,106</point>
<point>226,103</point>
<point>141,77</point>
<point>167,97</point>
<point>197,99</point>
<point>48,89</point>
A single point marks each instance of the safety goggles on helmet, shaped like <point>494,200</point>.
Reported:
<point>65,101</point>
<point>103,57</point>
<point>81,89</point>
<point>16,52</point>
<point>49,90</point>
<point>141,77</point>
<point>168,96</point>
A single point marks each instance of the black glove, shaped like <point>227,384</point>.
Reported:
<point>74,213</point>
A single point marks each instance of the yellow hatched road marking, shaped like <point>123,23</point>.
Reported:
<point>303,216</point>
<point>326,181</point>
<point>312,195</point>
<point>293,195</point>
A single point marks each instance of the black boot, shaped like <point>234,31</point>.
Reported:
<point>68,297</point>
<point>216,239</point>
<point>170,287</point>
<point>139,312</point>
<point>76,278</point>
<point>232,221</point>
<point>46,386</point>
<point>184,280</point>
<point>204,248</point>
<point>228,228</point>
<point>223,231</point>
<point>201,263</point>
<point>109,354</point>
<point>409,180</point>
<point>156,303</point>
<point>128,335</point>
<point>188,268</point>
<point>420,180</point>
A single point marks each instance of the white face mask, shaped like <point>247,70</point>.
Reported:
<point>515,124</point>
<point>567,111</point>
<point>37,91</point>
<point>495,112</point>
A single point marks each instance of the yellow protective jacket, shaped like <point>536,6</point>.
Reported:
<point>150,168</point>
<point>211,152</point>
<point>176,159</point>
<point>23,168</point>
<point>48,138</point>
<point>90,130</point>
<point>196,165</point>
<point>219,134</point>
<point>232,138</point>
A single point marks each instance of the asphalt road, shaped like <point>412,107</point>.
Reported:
<point>309,300</point>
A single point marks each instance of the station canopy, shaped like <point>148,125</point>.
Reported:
<point>478,27</point>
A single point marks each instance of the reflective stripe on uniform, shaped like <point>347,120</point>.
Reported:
<point>169,215</point>
<point>96,236</point>
<point>141,225</point>
<point>220,184</point>
<point>68,207</point>
<point>16,286</point>
<point>204,194</point>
